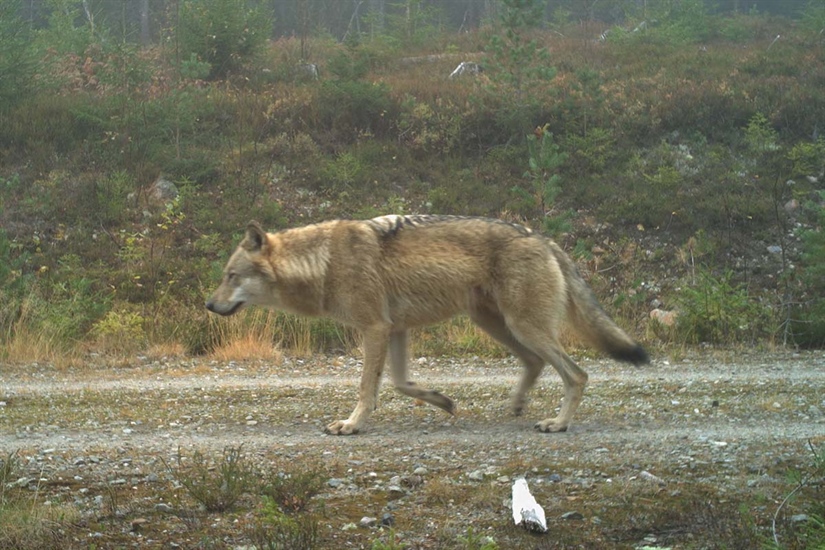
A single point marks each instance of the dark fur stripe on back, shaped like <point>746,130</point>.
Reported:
<point>392,224</point>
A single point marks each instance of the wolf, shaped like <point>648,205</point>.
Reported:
<point>386,275</point>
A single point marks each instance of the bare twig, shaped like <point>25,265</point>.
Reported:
<point>805,482</point>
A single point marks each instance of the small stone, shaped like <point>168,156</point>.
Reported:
<point>647,476</point>
<point>163,508</point>
<point>572,516</point>
<point>420,471</point>
<point>349,527</point>
<point>477,475</point>
<point>799,518</point>
<point>412,481</point>
<point>22,482</point>
<point>554,478</point>
<point>387,520</point>
<point>137,523</point>
<point>335,482</point>
<point>368,522</point>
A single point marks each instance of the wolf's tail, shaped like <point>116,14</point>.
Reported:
<point>586,316</point>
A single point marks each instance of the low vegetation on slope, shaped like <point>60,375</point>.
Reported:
<point>678,159</point>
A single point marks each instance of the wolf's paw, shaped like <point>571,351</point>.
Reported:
<point>341,427</point>
<point>550,426</point>
<point>442,402</point>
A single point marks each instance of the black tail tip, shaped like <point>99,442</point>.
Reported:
<point>636,355</point>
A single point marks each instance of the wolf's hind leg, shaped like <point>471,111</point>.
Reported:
<point>574,379</point>
<point>375,355</point>
<point>538,337</point>
<point>492,323</point>
<point>398,373</point>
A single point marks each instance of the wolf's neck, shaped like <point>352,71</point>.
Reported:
<point>308,265</point>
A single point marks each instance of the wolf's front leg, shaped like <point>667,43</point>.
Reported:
<point>375,355</point>
<point>398,372</point>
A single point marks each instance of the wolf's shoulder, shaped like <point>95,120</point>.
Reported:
<point>392,224</point>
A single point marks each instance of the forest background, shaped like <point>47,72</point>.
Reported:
<point>672,147</point>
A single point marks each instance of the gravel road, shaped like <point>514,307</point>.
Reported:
<point>729,419</point>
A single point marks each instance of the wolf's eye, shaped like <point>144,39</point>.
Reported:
<point>230,276</point>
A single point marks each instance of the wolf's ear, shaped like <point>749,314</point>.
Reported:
<point>255,238</point>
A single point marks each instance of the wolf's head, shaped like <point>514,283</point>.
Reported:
<point>247,277</point>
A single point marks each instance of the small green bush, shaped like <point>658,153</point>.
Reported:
<point>16,56</point>
<point>352,107</point>
<point>537,199</point>
<point>808,326</point>
<point>293,491</point>
<point>120,330</point>
<point>276,530</point>
<point>215,485</point>
<point>14,283</point>
<point>224,33</point>
<point>715,309</point>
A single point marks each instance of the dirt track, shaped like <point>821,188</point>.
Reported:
<point>733,422</point>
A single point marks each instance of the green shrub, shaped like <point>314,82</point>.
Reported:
<point>215,485</point>
<point>351,63</point>
<point>276,530</point>
<point>517,62</point>
<point>16,59</point>
<point>667,24</point>
<point>69,32</point>
<point>537,199</point>
<point>120,331</point>
<point>813,18</point>
<point>14,282</point>
<point>293,491</point>
<point>808,326</point>
<point>66,302</point>
<point>350,108</point>
<point>224,33</point>
<point>716,310</point>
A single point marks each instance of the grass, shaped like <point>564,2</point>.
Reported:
<point>26,523</point>
<point>27,345</point>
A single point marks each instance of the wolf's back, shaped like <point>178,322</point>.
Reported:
<point>587,317</point>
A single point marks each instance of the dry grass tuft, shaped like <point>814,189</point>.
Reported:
<point>169,350</point>
<point>248,335</point>
<point>251,346</point>
<point>23,345</point>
